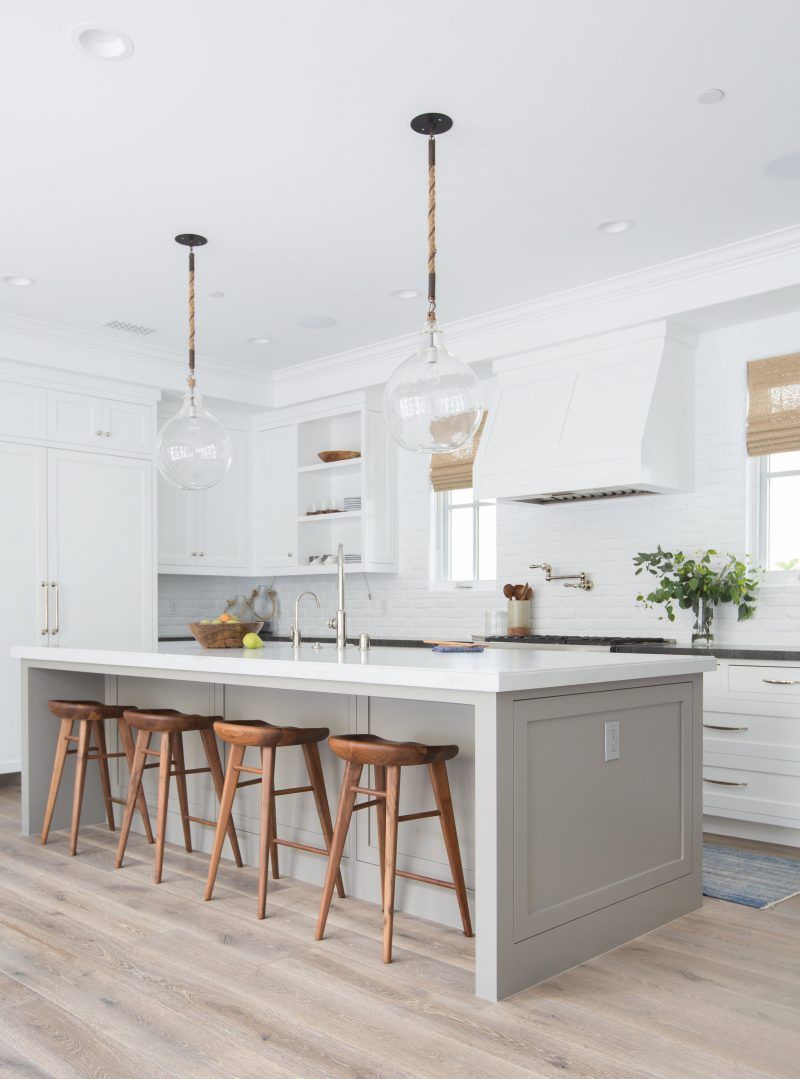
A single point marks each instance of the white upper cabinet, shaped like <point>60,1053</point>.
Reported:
<point>207,532</point>
<point>23,410</point>
<point>76,418</point>
<point>178,515</point>
<point>81,419</point>
<point>223,533</point>
<point>276,499</point>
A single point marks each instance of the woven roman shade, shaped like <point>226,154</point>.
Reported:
<point>452,471</point>
<point>773,410</point>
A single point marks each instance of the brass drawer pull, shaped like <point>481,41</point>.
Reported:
<point>724,782</point>
<point>719,727</point>
<point>781,681</point>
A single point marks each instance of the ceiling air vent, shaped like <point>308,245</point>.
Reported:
<point>128,327</point>
<point>583,496</point>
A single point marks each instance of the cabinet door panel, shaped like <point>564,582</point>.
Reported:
<point>128,426</point>
<point>100,549</point>
<point>178,516</point>
<point>276,498</point>
<point>23,410</point>
<point>23,568</point>
<point>76,418</point>
<point>222,539</point>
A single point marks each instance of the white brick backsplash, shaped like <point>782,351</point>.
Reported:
<point>600,538</point>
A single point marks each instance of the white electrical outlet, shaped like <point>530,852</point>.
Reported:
<point>612,740</point>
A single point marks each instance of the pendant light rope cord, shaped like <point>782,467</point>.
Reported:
<point>431,228</point>
<point>191,380</point>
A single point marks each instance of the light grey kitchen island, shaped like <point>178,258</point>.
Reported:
<point>567,853</point>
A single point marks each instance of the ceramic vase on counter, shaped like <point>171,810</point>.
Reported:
<point>519,617</point>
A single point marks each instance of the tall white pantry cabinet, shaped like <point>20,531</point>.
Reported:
<point>77,545</point>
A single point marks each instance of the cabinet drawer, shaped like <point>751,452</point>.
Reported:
<point>759,788</point>
<point>766,681</point>
<point>737,729</point>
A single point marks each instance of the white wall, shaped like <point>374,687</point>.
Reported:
<point>600,538</point>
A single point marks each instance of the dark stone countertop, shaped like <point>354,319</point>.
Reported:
<point>758,651</point>
<point>375,642</point>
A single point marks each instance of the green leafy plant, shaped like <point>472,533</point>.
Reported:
<point>684,581</point>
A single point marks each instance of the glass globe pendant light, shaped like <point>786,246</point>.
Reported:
<point>433,402</point>
<point>193,449</point>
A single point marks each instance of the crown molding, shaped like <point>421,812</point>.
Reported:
<point>65,348</point>
<point>664,290</point>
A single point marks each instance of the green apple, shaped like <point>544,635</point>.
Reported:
<point>252,640</point>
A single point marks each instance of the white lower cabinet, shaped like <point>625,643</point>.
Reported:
<point>77,563</point>
<point>751,750</point>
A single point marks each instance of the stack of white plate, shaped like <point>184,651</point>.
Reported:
<point>352,505</point>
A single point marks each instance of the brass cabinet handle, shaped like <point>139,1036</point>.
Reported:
<point>46,629</point>
<point>719,727</point>
<point>781,681</point>
<point>724,782</point>
<point>54,630</point>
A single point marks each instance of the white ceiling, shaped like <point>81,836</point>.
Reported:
<point>280,131</point>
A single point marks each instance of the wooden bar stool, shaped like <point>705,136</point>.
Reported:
<point>388,758</point>
<point>172,726</point>
<point>90,717</point>
<point>268,739</point>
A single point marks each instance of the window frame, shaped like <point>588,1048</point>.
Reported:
<point>757,485</point>
<point>440,532</point>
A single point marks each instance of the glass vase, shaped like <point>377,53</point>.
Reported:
<point>703,628</point>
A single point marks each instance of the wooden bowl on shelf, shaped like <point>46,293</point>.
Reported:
<point>329,456</point>
<point>224,635</point>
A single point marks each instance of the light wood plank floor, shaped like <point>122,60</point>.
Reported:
<point>103,974</point>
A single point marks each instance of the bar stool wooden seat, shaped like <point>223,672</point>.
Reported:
<point>268,738</point>
<point>387,758</point>
<point>172,726</point>
<point>90,717</point>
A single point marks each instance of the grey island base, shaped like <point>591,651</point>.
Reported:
<point>567,853</point>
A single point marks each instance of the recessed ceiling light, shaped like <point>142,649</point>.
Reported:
<point>318,322</point>
<point>102,42</point>
<point>18,282</point>
<point>610,228</point>
<point>217,294</point>
<point>259,340</point>
<point>784,168</point>
<point>711,97</point>
<point>404,293</point>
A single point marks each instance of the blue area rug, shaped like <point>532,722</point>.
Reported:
<point>746,877</point>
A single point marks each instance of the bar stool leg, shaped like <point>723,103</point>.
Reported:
<point>266,831</point>
<point>127,744</point>
<point>392,807</point>
<point>102,761</point>
<point>209,740</point>
<point>84,739</point>
<point>62,745</point>
<point>164,767</point>
<point>273,827</point>
<point>444,803</point>
<point>347,798</point>
<point>134,790</point>
<point>180,783</point>
<point>317,781</point>
<point>380,812</point>
<point>225,803</point>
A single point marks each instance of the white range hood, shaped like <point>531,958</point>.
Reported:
<point>600,417</point>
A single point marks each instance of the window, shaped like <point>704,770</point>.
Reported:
<point>466,538</point>
<point>776,511</point>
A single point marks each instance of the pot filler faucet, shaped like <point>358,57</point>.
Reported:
<point>581,578</point>
<point>339,620</point>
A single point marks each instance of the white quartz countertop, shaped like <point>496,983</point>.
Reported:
<point>495,670</point>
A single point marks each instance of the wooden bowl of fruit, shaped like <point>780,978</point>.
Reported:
<point>226,631</point>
